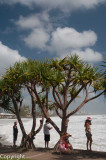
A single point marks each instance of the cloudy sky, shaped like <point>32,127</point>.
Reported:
<point>52,28</point>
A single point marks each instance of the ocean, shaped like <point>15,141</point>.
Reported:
<point>75,128</point>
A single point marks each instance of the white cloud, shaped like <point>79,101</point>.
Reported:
<point>65,39</point>
<point>39,26</point>
<point>89,55</point>
<point>33,21</point>
<point>61,41</point>
<point>29,22</point>
<point>8,57</point>
<point>68,5</point>
<point>37,38</point>
<point>64,5</point>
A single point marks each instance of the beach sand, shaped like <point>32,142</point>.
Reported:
<point>50,154</point>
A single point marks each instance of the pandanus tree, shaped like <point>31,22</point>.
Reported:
<point>11,86</point>
<point>104,73</point>
<point>63,80</point>
<point>68,78</point>
<point>32,79</point>
<point>104,67</point>
<point>5,100</point>
<point>10,97</point>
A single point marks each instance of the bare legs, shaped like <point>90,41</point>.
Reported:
<point>14,143</point>
<point>89,143</point>
<point>46,144</point>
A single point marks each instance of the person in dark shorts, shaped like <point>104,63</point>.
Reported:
<point>47,133</point>
<point>88,133</point>
<point>15,134</point>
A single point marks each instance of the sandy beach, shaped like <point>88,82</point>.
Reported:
<point>50,154</point>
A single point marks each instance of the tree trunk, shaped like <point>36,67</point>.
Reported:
<point>19,118</point>
<point>64,123</point>
<point>27,142</point>
<point>33,115</point>
<point>64,126</point>
<point>45,112</point>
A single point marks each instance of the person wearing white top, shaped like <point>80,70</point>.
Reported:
<point>46,131</point>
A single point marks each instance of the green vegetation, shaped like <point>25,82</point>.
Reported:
<point>52,85</point>
<point>14,159</point>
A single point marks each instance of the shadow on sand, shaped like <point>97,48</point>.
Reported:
<point>82,155</point>
<point>50,154</point>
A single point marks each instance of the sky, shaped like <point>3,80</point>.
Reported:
<point>53,28</point>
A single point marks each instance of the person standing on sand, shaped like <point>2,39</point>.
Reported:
<point>46,130</point>
<point>88,133</point>
<point>15,133</point>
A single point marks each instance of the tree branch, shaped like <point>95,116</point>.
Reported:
<point>59,105</point>
<point>20,105</point>
<point>40,127</point>
<point>47,98</point>
<point>94,97</point>
<point>44,110</point>
<point>74,96</point>
<point>30,90</point>
<point>56,109</point>
<point>80,106</point>
<point>6,108</point>
<point>18,116</point>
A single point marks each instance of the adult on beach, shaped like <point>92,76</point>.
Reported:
<point>64,145</point>
<point>88,133</point>
<point>15,133</point>
<point>46,130</point>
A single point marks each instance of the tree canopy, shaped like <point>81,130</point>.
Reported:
<point>54,84</point>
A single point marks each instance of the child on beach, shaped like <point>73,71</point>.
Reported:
<point>47,133</point>
<point>15,133</point>
<point>88,133</point>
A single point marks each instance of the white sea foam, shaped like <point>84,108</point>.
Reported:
<point>76,129</point>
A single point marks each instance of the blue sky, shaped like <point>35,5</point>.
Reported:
<point>52,28</point>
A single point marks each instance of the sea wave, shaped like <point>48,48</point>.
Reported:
<point>75,128</point>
